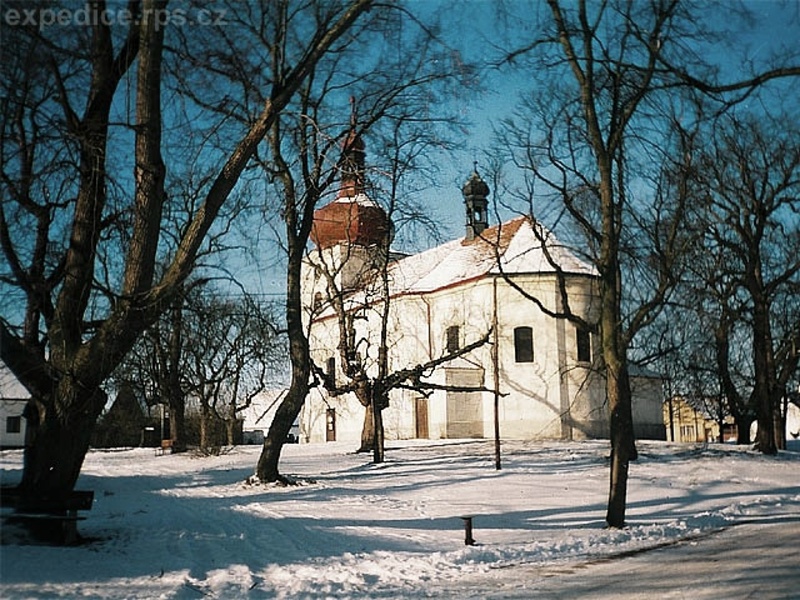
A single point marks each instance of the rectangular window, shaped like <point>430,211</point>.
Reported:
<point>584,342</point>
<point>453,342</point>
<point>14,425</point>
<point>331,371</point>
<point>523,344</point>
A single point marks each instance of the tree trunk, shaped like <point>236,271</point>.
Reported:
<point>175,397</point>
<point>300,357</point>
<point>59,439</point>
<point>288,410</point>
<point>781,408</point>
<point>764,363</point>
<point>230,432</point>
<point>378,449</point>
<point>367,431</point>
<point>618,386</point>
<point>623,447</point>
<point>177,423</point>
<point>743,424</point>
<point>204,426</point>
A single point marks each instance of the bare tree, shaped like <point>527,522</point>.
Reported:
<point>611,73</point>
<point>74,332</point>
<point>232,353</point>
<point>586,166</point>
<point>751,173</point>
<point>211,349</point>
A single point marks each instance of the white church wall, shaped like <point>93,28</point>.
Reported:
<point>437,416</point>
<point>349,415</point>
<point>398,418</point>
<point>548,397</point>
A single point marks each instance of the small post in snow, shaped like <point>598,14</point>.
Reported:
<point>468,539</point>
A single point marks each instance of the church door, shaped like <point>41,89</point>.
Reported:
<point>421,413</point>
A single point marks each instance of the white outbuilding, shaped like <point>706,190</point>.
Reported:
<point>13,399</point>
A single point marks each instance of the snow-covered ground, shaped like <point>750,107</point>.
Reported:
<point>182,526</point>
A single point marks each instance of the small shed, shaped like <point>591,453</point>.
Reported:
<point>13,399</point>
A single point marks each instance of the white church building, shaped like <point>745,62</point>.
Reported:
<point>538,375</point>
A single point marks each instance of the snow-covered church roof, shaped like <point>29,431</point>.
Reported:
<point>513,247</point>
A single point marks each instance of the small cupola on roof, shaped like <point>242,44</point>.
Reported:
<point>476,194</point>
<point>352,218</point>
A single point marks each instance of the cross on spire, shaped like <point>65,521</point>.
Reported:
<point>351,165</point>
<point>353,112</point>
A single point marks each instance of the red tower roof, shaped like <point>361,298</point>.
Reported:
<point>350,220</point>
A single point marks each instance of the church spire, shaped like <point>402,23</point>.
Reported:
<point>351,164</point>
<point>352,219</point>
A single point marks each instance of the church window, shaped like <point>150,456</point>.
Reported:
<point>583,339</point>
<point>317,300</point>
<point>523,344</point>
<point>331,371</point>
<point>453,339</point>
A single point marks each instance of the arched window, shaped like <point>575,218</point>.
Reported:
<point>453,342</point>
<point>523,344</point>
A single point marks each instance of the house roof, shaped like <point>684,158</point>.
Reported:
<point>513,247</point>
<point>10,386</point>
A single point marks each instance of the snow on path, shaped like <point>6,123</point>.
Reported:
<point>179,526</point>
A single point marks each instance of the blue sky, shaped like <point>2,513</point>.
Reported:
<point>776,29</point>
<point>477,34</point>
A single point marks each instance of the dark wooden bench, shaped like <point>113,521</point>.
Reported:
<point>42,509</point>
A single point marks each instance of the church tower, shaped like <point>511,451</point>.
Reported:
<point>352,231</point>
<point>476,194</point>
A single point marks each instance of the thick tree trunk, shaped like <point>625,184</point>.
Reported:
<point>765,373</point>
<point>367,431</point>
<point>288,410</point>
<point>59,438</point>
<point>743,424</point>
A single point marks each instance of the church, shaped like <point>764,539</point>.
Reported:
<point>536,376</point>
